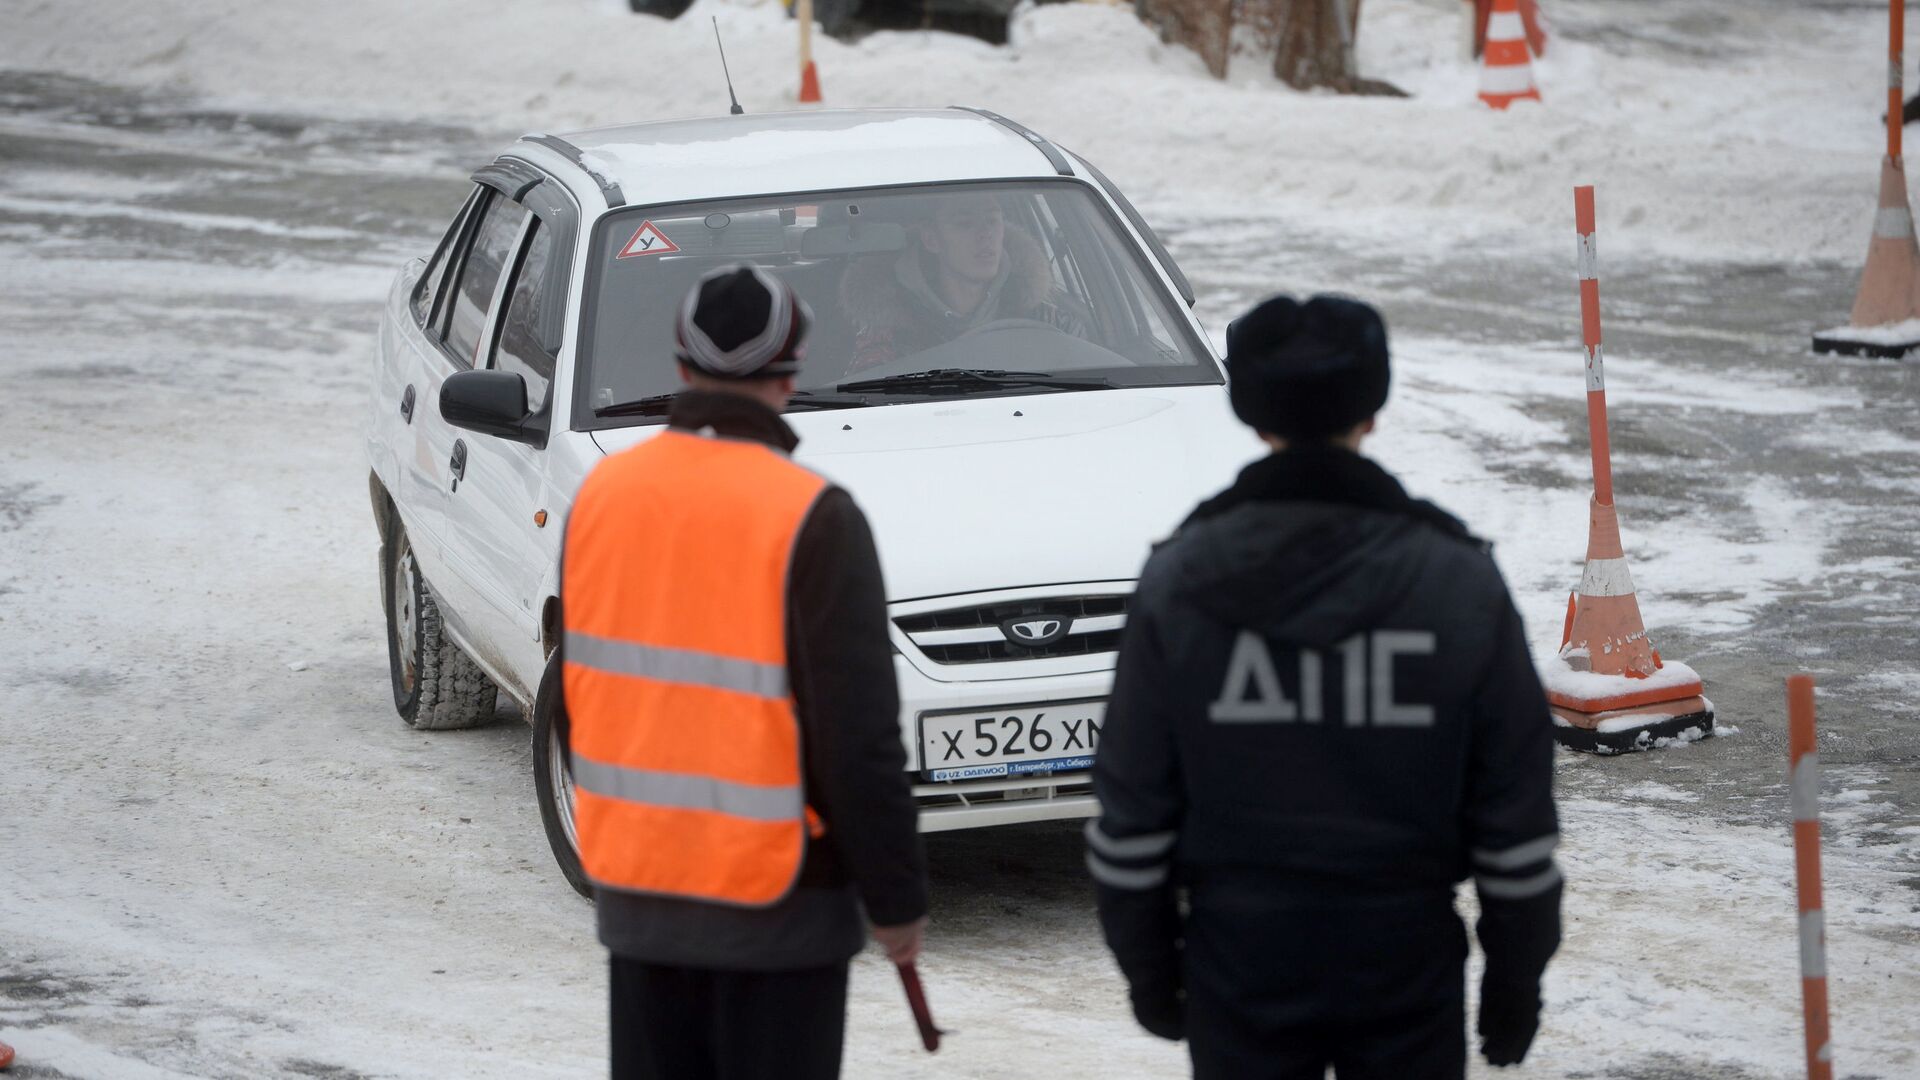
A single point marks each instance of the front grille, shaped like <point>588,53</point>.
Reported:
<point>974,635</point>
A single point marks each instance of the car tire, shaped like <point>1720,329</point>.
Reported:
<point>553,779</point>
<point>836,16</point>
<point>436,686</point>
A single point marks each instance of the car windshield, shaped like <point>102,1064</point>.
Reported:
<point>955,290</point>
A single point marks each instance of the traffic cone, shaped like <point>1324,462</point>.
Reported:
<point>1890,286</point>
<point>1506,71</point>
<point>809,84</point>
<point>1889,297</point>
<point>1530,18</point>
<point>1606,614</point>
<point>6,1055</point>
<point>1608,689</point>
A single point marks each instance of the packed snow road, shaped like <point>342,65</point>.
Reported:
<point>224,856</point>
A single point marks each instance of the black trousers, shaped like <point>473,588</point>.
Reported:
<point>1429,1045</point>
<point>1283,983</point>
<point>675,1023</point>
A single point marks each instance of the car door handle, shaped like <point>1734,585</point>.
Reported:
<point>458,464</point>
<point>406,404</point>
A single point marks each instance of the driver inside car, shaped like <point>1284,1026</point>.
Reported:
<point>964,268</point>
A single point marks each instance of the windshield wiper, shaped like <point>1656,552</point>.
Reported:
<point>660,404</point>
<point>813,399</point>
<point>973,378</point>
<point>651,405</point>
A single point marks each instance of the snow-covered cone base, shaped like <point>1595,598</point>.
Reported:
<point>1687,716</point>
<point>1891,342</point>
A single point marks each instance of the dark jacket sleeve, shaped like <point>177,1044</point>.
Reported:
<point>1511,827</point>
<point>842,668</point>
<point>1130,846</point>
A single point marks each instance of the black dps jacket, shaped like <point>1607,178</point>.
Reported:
<point>840,666</point>
<point>1324,717</point>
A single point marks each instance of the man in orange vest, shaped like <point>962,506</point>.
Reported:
<point>740,785</point>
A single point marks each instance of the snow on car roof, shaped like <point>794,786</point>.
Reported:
<point>753,154</point>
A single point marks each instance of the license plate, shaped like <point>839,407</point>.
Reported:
<point>1017,740</point>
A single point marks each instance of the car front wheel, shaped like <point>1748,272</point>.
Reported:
<point>553,779</point>
<point>436,686</point>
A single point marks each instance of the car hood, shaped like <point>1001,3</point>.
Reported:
<point>1001,493</point>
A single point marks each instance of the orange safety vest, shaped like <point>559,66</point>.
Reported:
<point>685,743</point>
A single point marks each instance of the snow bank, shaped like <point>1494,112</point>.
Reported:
<point>1695,130</point>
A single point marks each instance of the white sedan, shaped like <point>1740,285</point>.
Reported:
<point>1003,370</point>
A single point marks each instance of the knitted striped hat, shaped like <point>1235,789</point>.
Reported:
<point>741,322</point>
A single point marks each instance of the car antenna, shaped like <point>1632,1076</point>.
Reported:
<point>736,110</point>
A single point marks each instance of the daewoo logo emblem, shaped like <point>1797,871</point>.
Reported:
<point>1029,630</point>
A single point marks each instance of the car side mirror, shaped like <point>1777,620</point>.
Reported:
<point>492,403</point>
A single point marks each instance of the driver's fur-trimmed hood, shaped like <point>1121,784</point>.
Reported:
<point>874,297</point>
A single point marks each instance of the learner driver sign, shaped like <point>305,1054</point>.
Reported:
<point>1014,740</point>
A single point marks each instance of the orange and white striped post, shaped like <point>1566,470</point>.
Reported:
<point>1896,75</point>
<point>1890,286</point>
<point>1803,785</point>
<point>1606,618</point>
<point>1889,294</point>
<point>809,76</point>
<point>1604,633</point>
<point>1589,270</point>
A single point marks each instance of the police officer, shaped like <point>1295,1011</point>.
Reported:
<point>740,787</point>
<point>1324,717</point>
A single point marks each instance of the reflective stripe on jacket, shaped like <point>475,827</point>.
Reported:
<point>685,743</point>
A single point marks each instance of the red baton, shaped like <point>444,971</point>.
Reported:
<point>917,1000</point>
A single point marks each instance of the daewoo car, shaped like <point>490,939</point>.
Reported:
<point>1003,371</point>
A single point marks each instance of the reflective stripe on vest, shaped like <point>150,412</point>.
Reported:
<point>685,744</point>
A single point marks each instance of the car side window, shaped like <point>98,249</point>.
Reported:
<point>427,291</point>
<point>480,274</point>
<point>520,349</point>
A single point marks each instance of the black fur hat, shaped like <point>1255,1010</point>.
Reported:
<point>1309,371</point>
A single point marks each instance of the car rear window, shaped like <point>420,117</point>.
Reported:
<point>1029,277</point>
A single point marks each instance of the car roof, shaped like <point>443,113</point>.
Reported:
<point>818,150</point>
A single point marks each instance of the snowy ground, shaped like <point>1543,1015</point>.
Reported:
<point>224,857</point>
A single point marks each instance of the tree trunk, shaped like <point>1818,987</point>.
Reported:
<point>1205,26</point>
<point>1312,49</point>
<point>1312,40</point>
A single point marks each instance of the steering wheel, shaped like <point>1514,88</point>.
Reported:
<point>997,325</point>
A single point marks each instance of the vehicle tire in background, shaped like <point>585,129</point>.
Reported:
<point>666,9</point>
<point>436,686</point>
<point>553,779</point>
